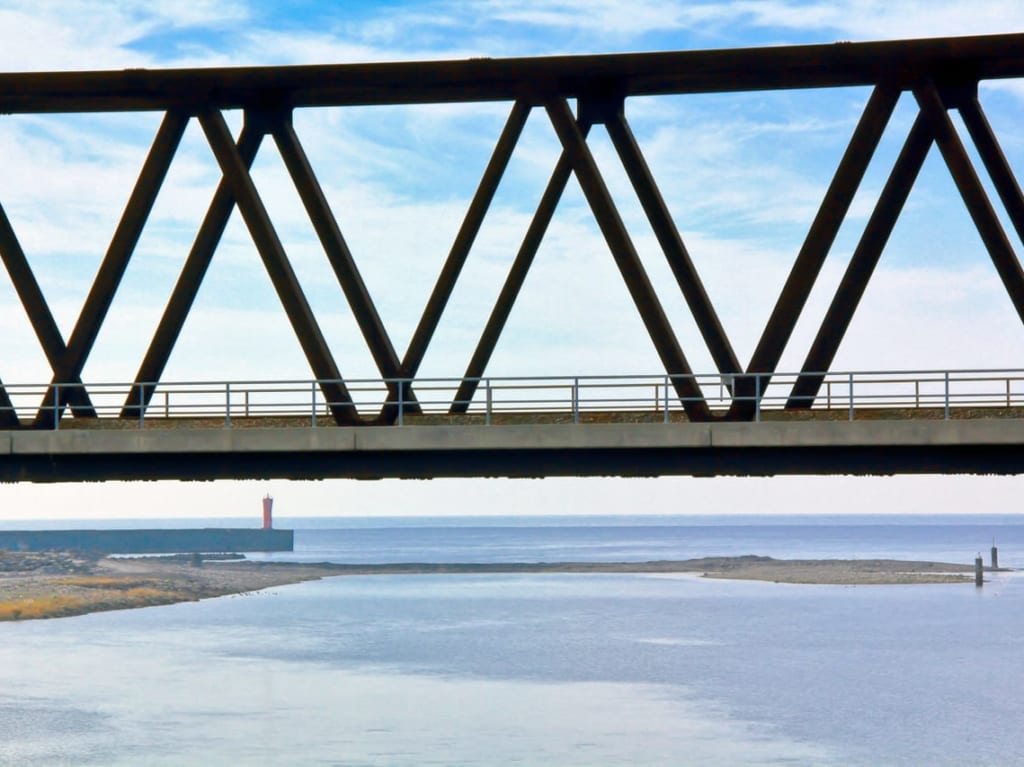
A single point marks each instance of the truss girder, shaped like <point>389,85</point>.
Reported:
<point>940,75</point>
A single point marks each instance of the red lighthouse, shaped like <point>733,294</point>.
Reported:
<point>268,508</point>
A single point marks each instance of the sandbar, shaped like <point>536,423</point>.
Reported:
<point>62,584</point>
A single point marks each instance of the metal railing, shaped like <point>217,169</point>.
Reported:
<point>565,398</point>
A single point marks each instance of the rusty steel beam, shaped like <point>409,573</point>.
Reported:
<point>514,281</point>
<point>574,145</point>
<point>973,193</point>
<point>187,286</point>
<point>902,63</point>
<point>671,243</point>
<point>862,264</point>
<point>816,246</point>
<point>112,269</point>
<point>995,161</point>
<point>464,240</point>
<point>38,311</point>
<point>286,284</point>
<point>338,254</point>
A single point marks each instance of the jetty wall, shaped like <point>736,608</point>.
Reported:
<point>156,541</point>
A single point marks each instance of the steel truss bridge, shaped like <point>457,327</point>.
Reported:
<point>942,75</point>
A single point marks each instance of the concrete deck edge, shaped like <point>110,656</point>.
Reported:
<point>540,437</point>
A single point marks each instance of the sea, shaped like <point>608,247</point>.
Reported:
<point>552,669</point>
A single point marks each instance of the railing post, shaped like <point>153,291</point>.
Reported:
<point>488,402</point>
<point>946,377</point>
<point>142,407</point>
<point>227,404</point>
<point>246,403</point>
<point>1008,404</point>
<point>576,400</point>
<point>666,398</point>
<point>851,395</point>
<point>757,398</point>
<point>167,404</point>
<point>312,404</point>
<point>917,395</point>
<point>56,407</point>
<point>401,403</point>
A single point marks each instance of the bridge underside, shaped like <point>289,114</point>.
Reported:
<point>697,449</point>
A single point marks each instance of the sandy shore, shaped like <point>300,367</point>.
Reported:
<point>54,585</point>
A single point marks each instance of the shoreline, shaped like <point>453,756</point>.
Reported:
<point>61,584</point>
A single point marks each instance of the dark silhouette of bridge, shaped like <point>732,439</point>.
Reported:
<point>942,75</point>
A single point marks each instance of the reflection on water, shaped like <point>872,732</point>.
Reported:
<point>176,685</point>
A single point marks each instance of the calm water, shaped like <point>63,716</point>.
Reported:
<point>560,670</point>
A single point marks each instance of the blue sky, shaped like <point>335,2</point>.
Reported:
<point>743,175</point>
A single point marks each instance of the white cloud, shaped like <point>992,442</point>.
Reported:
<point>877,19</point>
<point>91,34</point>
<point>606,18</point>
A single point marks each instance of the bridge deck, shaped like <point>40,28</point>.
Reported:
<point>821,446</point>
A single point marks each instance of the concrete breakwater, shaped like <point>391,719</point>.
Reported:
<point>152,541</point>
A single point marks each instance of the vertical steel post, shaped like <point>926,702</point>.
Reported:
<point>401,403</point>
<point>851,395</point>
<point>757,398</point>
<point>142,407</point>
<point>576,400</point>
<point>56,406</point>
<point>227,404</point>
<point>312,404</point>
<point>666,398</point>
<point>946,379</point>
<point>489,402</point>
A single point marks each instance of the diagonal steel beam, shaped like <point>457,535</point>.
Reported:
<point>515,279</point>
<point>672,243</point>
<point>187,287</point>
<point>626,258</point>
<point>112,268</point>
<point>862,264</point>
<point>995,161</point>
<point>973,193</point>
<point>816,246</point>
<point>339,255</point>
<point>278,267</point>
<point>35,305</point>
<point>464,239</point>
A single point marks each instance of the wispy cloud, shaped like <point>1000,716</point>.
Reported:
<point>874,19</point>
